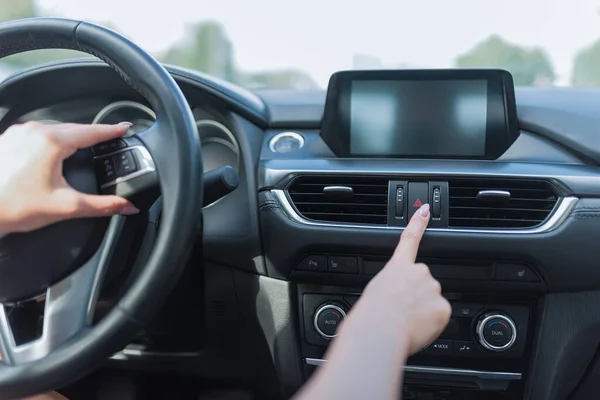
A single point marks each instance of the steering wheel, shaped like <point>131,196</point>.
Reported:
<point>66,261</point>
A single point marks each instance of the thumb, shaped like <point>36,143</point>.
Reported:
<point>102,206</point>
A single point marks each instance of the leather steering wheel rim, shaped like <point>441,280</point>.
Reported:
<point>177,156</point>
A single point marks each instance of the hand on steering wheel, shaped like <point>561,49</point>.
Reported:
<point>64,263</point>
<point>33,190</point>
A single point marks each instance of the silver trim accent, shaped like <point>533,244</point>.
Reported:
<point>145,160</point>
<point>494,193</point>
<point>485,375</point>
<point>282,135</point>
<point>345,189</point>
<point>122,104</point>
<point>485,343</point>
<point>128,353</point>
<point>69,305</point>
<point>558,216</point>
<point>316,318</point>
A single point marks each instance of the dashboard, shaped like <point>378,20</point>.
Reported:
<point>285,256</point>
<point>219,146</point>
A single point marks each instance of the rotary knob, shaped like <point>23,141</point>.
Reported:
<point>496,331</point>
<point>327,319</point>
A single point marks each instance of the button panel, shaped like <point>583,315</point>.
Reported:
<point>108,147</point>
<point>113,166</point>
<point>445,270</point>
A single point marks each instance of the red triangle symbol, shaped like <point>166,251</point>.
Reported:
<point>418,203</point>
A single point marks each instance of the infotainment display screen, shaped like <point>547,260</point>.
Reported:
<point>467,114</point>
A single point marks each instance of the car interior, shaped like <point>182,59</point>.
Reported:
<point>266,213</point>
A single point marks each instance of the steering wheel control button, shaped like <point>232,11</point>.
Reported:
<point>313,263</point>
<point>327,318</point>
<point>440,347</point>
<point>496,332</point>
<point>464,348</point>
<point>465,310</point>
<point>105,169</point>
<point>109,147</point>
<point>418,194</point>
<point>125,163</point>
<point>515,273</point>
<point>345,265</point>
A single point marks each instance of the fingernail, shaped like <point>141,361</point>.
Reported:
<point>125,123</point>
<point>129,210</point>
<point>424,210</point>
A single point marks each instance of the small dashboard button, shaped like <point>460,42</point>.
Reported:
<point>440,347</point>
<point>465,310</point>
<point>464,348</point>
<point>346,265</point>
<point>315,263</point>
<point>515,273</point>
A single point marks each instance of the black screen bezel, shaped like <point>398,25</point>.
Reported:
<point>501,131</point>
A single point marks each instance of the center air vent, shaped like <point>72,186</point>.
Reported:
<point>490,203</point>
<point>360,200</point>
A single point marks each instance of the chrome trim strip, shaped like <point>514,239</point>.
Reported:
<point>485,375</point>
<point>558,216</point>
<point>127,354</point>
<point>146,165</point>
<point>495,193</point>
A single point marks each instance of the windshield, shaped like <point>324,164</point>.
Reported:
<point>297,45</point>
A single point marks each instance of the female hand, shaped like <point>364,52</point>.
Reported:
<point>33,191</point>
<point>404,295</point>
<point>400,311</point>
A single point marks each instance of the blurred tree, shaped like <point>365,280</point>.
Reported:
<point>206,48</point>
<point>11,9</point>
<point>17,9</point>
<point>585,68</point>
<point>528,66</point>
<point>285,79</point>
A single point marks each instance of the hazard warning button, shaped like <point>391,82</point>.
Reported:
<point>418,194</point>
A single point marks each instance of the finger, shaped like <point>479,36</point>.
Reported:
<point>80,136</point>
<point>103,206</point>
<point>408,246</point>
<point>70,203</point>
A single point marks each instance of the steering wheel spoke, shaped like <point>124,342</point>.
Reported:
<point>69,305</point>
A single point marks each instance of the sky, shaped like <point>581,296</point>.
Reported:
<point>322,36</point>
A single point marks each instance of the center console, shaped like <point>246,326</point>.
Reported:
<point>483,352</point>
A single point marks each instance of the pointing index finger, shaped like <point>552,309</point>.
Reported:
<point>80,136</point>
<point>408,246</point>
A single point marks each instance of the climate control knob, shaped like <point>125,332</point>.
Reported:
<point>327,318</point>
<point>496,331</point>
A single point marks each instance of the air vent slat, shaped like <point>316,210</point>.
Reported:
<point>367,205</point>
<point>530,204</point>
